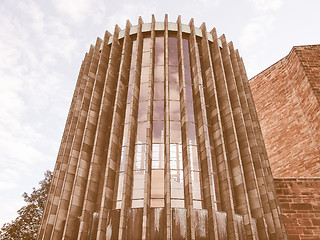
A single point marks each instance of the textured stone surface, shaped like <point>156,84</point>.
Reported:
<point>300,204</point>
<point>287,99</point>
<point>162,139</point>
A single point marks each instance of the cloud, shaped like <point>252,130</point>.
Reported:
<point>81,10</point>
<point>131,11</point>
<point>34,96</point>
<point>75,9</point>
<point>256,30</point>
<point>265,5</point>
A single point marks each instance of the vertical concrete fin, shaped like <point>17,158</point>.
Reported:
<point>205,158</point>
<point>251,189</point>
<point>68,186</point>
<point>147,180</point>
<point>273,199</point>
<point>130,151</point>
<point>185,129</point>
<point>226,123</point>
<point>167,176</point>
<point>256,157</point>
<point>57,191</point>
<point>62,148</point>
<point>98,161</point>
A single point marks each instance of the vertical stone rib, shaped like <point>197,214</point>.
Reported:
<point>256,158</point>
<point>217,137</point>
<point>129,152</point>
<point>274,204</point>
<point>57,191</point>
<point>187,177</point>
<point>99,146</point>
<point>232,148</point>
<point>252,189</point>
<point>167,175</point>
<point>147,179</point>
<point>91,127</point>
<point>234,154</point>
<point>62,148</point>
<point>68,184</point>
<point>80,178</point>
<point>202,134</point>
<point>85,159</point>
<point>101,140</point>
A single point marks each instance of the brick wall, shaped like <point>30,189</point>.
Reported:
<point>287,101</point>
<point>310,60</point>
<point>300,204</point>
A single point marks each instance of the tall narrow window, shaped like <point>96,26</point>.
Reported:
<point>125,144</point>
<point>141,139</point>
<point>157,166</point>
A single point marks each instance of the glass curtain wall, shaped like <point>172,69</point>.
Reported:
<point>125,143</point>
<point>158,138</point>
<point>141,139</point>
<point>157,166</point>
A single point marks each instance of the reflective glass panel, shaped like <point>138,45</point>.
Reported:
<point>175,132</point>
<point>158,90</point>
<point>140,157</point>
<point>157,155</point>
<point>146,44</point>
<point>158,131</point>
<point>157,184</point>
<point>174,110</point>
<point>190,113</point>
<point>173,51</point>
<point>192,134</point>
<point>146,59</point>
<point>177,203</point>
<point>174,92</point>
<point>173,74</point>
<point>141,132</point>
<point>137,203</point>
<point>176,156</point>
<point>138,193</point>
<point>145,74</point>
<point>197,204</point>
<point>158,110</point>
<point>144,91</point>
<point>159,51</point>
<point>189,93</point>
<point>186,53</point>
<point>196,191</point>
<point>194,157</point>
<point>173,156</point>
<point>138,181</point>
<point>143,110</point>
<point>155,203</point>
<point>177,177</point>
<point>158,74</point>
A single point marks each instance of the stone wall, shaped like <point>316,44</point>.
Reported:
<point>286,96</point>
<point>300,204</point>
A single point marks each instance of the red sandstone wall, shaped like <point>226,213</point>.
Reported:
<point>310,60</point>
<point>287,101</point>
<point>300,204</point>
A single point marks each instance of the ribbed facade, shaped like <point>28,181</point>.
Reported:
<point>162,141</point>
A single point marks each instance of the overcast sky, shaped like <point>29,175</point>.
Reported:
<point>42,44</point>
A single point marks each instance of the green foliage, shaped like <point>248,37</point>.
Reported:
<point>26,225</point>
